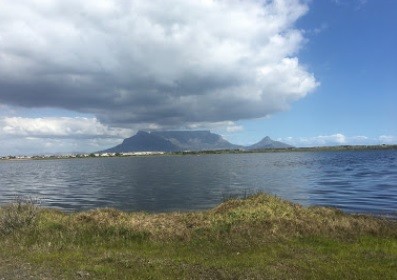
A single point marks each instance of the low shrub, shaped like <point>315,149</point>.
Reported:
<point>20,214</point>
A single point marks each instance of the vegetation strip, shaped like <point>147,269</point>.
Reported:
<point>259,237</point>
<point>207,152</point>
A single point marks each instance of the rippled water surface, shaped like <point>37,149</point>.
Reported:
<point>355,181</point>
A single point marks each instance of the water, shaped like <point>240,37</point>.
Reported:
<point>354,181</point>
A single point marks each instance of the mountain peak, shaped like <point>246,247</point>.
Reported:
<point>268,143</point>
<point>172,141</point>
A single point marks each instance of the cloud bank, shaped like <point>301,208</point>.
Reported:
<point>339,139</point>
<point>62,127</point>
<point>49,135</point>
<point>152,63</point>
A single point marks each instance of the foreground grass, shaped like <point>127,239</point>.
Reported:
<point>261,237</point>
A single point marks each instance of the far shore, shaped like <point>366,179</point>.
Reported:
<point>204,152</point>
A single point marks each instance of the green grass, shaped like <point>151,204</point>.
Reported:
<point>260,237</point>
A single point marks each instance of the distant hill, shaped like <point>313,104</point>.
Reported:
<point>267,143</point>
<point>173,141</point>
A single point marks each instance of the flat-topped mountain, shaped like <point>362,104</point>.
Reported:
<point>144,141</point>
<point>196,140</point>
<point>173,141</point>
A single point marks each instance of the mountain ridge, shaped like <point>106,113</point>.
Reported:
<point>175,141</point>
<point>268,143</point>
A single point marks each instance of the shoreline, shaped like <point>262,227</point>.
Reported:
<point>261,236</point>
<point>342,148</point>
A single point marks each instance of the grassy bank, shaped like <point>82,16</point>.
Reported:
<point>261,237</point>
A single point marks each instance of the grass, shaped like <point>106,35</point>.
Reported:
<point>259,237</point>
<point>22,213</point>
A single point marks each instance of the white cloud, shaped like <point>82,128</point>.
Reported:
<point>228,126</point>
<point>40,146</point>
<point>317,30</point>
<point>61,127</point>
<point>164,63</point>
<point>387,139</point>
<point>234,128</point>
<point>338,139</point>
<point>335,138</point>
<point>356,4</point>
<point>57,135</point>
<point>321,140</point>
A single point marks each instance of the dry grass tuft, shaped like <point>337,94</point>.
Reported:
<point>283,218</point>
<point>259,216</point>
<point>165,226</point>
<point>18,215</point>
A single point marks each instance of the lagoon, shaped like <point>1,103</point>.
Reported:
<point>354,181</point>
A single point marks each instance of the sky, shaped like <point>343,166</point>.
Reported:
<point>80,76</point>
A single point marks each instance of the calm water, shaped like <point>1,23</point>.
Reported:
<point>356,181</point>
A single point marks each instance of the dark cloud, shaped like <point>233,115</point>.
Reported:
<point>160,62</point>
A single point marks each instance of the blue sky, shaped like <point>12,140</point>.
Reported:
<point>351,48</point>
<point>80,77</point>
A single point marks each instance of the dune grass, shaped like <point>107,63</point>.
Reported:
<point>260,237</point>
